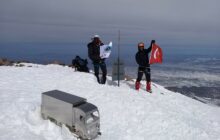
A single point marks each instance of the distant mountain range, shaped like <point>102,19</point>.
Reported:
<point>208,95</point>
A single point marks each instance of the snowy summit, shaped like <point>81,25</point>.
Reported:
<point>126,114</point>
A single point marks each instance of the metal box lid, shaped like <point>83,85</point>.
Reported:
<point>66,97</point>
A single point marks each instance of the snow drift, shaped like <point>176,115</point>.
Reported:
<point>126,114</point>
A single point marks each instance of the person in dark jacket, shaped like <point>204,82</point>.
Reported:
<point>142,60</point>
<point>80,64</point>
<point>98,62</point>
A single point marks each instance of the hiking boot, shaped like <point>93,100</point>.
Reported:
<point>148,87</point>
<point>98,79</point>
<point>137,85</point>
<point>103,80</point>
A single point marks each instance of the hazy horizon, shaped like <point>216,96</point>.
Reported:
<point>169,22</point>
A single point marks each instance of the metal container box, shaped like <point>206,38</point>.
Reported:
<point>75,112</point>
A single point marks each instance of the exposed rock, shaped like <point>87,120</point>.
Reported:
<point>19,65</point>
<point>57,62</point>
<point>5,62</point>
<point>23,61</point>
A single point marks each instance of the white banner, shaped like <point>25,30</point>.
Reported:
<point>105,50</point>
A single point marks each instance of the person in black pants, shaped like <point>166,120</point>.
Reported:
<point>144,66</point>
<point>98,62</point>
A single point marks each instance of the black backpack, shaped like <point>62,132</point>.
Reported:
<point>80,64</point>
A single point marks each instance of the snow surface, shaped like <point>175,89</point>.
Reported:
<point>126,114</point>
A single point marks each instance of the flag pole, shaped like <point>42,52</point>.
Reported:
<point>118,57</point>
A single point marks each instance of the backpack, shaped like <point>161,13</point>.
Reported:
<point>80,64</point>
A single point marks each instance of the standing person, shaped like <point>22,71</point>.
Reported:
<point>142,60</point>
<point>98,62</point>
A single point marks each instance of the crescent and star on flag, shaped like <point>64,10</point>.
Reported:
<point>156,54</point>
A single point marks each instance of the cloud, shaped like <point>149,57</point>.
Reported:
<point>71,20</point>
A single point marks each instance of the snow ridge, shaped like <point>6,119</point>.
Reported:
<point>126,114</point>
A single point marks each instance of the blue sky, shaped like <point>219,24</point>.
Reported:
<point>171,22</point>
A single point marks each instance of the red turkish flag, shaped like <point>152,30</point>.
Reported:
<point>156,54</point>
